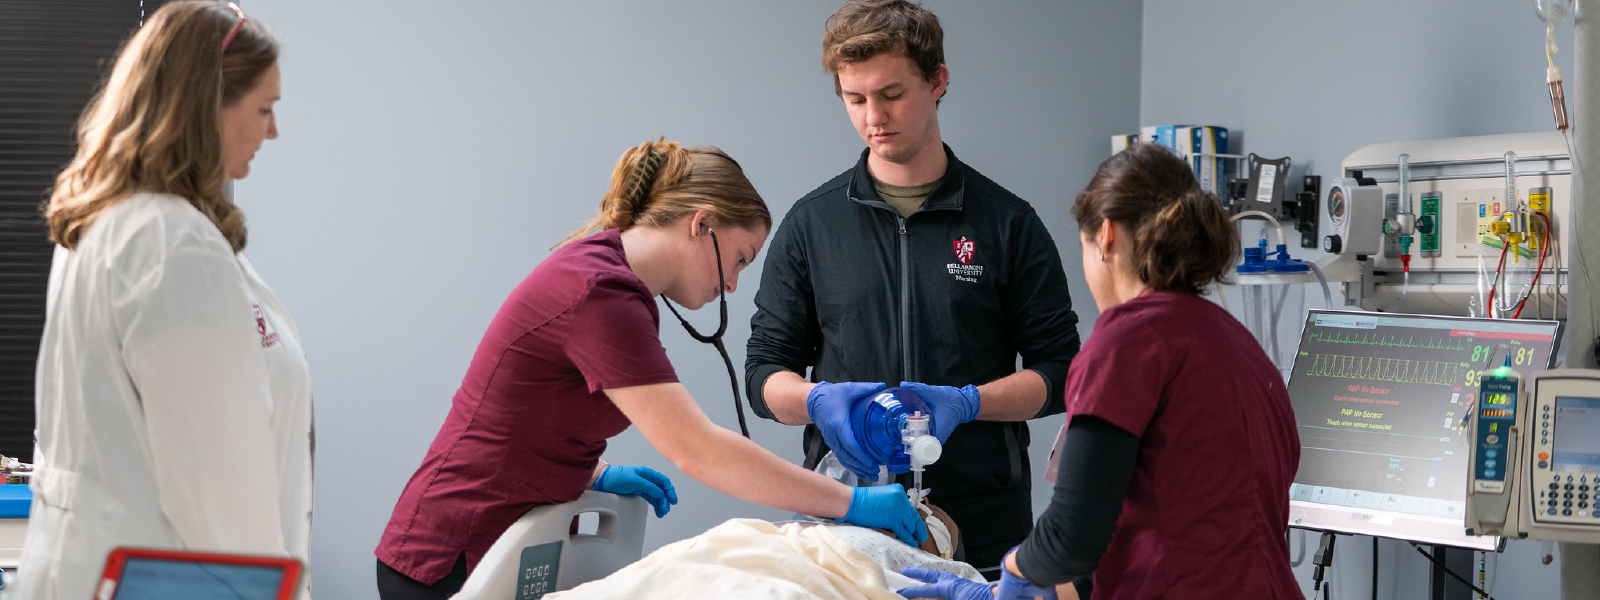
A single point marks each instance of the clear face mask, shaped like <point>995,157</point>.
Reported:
<point>715,339</point>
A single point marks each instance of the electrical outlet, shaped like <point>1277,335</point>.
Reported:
<point>1475,210</point>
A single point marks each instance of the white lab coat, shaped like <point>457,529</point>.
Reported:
<point>173,399</point>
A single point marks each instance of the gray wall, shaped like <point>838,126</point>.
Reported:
<point>432,152</point>
<point>1317,80</point>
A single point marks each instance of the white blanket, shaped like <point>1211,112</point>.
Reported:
<point>750,558</point>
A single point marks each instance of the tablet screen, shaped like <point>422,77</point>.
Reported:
<point>151,579</point>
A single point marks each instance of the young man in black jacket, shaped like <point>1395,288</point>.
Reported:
<point>913,268</point>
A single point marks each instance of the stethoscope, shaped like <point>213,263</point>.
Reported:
<point>715,339</point>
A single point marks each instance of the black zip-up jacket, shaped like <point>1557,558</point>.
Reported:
<point>950,295</point>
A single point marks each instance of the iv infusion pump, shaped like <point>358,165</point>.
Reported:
<point>1535,458</point>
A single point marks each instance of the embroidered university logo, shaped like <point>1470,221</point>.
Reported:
<point>268,340</point>
<point>964,249</point>
<point>963,269</point>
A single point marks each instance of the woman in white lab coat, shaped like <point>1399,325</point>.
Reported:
<point>173,398</point>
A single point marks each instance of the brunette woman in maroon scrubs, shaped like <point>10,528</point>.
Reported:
<point>573,358</point>
<point>1173,480</point>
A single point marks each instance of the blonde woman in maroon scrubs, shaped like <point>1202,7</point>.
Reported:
<point>573,358</point>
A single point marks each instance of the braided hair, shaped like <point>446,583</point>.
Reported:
<point>656,183</point>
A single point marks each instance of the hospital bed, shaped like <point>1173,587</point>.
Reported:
<point>544,552</point>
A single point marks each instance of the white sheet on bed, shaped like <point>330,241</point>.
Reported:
<point>751,558</point>
<point>893,555</point>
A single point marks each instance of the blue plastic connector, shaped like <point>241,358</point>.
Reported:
<point>1258,260</point>
<point>1254,259</point>
<point>1284,264</point>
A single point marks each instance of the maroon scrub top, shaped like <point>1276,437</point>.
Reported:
<point>1208,506</point>
<point>530,420</point>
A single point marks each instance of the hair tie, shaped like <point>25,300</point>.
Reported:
<point>644,176</point>
<point>1172,210</point>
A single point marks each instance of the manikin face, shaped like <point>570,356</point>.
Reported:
<point>892,107</point>
<point>247,122</point>
<point>697,286</point>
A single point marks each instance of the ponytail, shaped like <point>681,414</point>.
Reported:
<point>656,183</point>
<point>1182,240</point>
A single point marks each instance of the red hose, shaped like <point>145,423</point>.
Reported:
<point>1533,286</point>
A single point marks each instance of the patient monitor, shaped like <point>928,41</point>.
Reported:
<point>1379,401</point>
<point>1551,487</point>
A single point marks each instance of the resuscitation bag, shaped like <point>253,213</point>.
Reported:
<point>878,424</point>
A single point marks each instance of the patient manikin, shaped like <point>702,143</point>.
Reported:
<point>803,559</point>
<point>942,533</point>
<point>887,550</point>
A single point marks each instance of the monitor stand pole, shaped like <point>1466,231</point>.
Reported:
<point>1441,586</point>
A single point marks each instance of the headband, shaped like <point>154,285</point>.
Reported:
<point>237,24</point>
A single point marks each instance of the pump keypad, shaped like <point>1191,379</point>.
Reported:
<point>1567,499</point>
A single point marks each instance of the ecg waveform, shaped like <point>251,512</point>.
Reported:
<point>1392,341</point>
<point>1397,370</point>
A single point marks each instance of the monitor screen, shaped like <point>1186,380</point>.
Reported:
<point>1575,444</point>
<point>152,579</point>
<point>1378,399</point>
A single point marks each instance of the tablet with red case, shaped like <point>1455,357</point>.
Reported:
<point>141,573</point>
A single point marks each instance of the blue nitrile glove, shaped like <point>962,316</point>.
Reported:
<point>829,406</point>
<point>887,507</point>
<point>1012,586</point>
<point>634,480</point>
<point>952,406</point>
<point>944,585</point>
